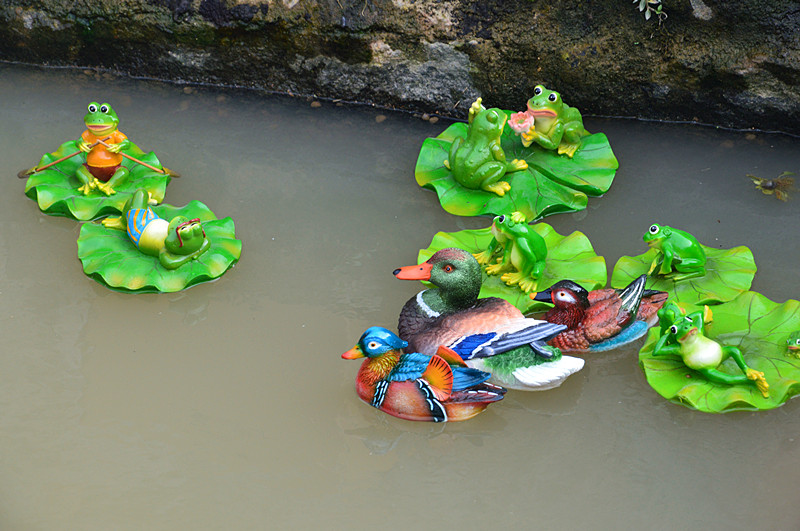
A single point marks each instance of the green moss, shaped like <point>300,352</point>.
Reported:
<point>504,364</point>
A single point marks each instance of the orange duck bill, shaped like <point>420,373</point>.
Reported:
<point>354,353</point>
<point>414,272</point>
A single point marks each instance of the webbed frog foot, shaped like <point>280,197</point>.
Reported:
<point>517,164</point>
<point>568,149</point>
<point>495,269</point>
<point>446,163</point>
<point>500,188</point>
<point>87,188</point>
<point>527,138</point>
<point>483,257</point>
<point>759,380</point>
<point>104,187</point>
<point>115,222</point>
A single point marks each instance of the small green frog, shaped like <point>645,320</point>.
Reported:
<point>793,345</point>
<point>556,124</point>
<point>523,250</point>
<point>684,336</point>
<point>679,252</point>
<point>479,162</point>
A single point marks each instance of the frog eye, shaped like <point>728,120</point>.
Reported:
<point>673,329</point>
<point>92,107</point>
<point>500,219</point>
<point>653,229</point>
<point>104,108</point>
<point>797,341</point>
<point>553,97</point>
<point>537,90</point>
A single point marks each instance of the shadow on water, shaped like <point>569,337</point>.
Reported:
<point>228,407</point>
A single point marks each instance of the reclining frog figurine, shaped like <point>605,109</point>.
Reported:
<point>679,256</point>
<point>523,252</point>
<point>684,336</point>
<point>174,242</point>
<point>479,162</point>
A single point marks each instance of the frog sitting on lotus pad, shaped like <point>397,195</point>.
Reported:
<point>690,272</point>
<point>550,123</point>
<point>142,251</point>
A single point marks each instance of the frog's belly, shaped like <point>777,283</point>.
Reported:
<point>704,354</point>
<point>517,260</point>
<point>152,239</point>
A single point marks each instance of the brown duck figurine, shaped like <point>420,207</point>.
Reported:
<point>601,319</point>
<point>489,334</point>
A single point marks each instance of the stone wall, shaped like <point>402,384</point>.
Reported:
<point>730,63</point>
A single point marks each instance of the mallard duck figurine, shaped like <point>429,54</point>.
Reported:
<point>601,319</point>
<point>489,333</point>
<point>415,386</point>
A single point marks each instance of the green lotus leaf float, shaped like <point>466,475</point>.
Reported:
<point>56,189</point>
<point>501,176</point>
<point>112,258</point>
<point>760,330</point>
<point>569,256</point>
<point>728,273</point>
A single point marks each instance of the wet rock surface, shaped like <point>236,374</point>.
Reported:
<point>734,63</point>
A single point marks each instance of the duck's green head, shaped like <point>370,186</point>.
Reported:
<point>375,342</point>
<point>454,271</point>
<point>100,119</point>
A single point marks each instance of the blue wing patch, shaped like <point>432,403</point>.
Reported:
<point>409,367</point>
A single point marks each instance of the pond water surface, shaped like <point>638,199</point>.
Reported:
<point>227,406</point>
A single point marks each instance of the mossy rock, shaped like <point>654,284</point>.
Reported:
<point>110,257</point>
<point>55,189</point>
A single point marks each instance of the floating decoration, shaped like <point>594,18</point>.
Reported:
<point>780,186</point>
<point>690,272</point>
<point>550,123</point>
<point>602,319</point>
<point>413,386</point>
<point>96,174</point>
<point>680,359</point>
<point>193,247</point>
<point>489,334</point>
<point>537,181</point>
<point>566,257</point>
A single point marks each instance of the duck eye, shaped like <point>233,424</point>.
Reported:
<point>673,329</point>
<point>537,90</point>
<point>104,108</point>
<point>448,268</point>
<point>372,345</point>
<point>92,107</point>
<point>653,229</point>
<point>553,96</point>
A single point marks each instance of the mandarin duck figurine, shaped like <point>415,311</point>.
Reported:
<point>602,319</point>
<point>488,334</point>
<point>416,386</point>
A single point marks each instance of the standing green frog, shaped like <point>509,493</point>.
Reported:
<point>678,251</point>
<point>479,162</point>
<point>524,252</point>
<point>685,337</point>
<point>556,124</point>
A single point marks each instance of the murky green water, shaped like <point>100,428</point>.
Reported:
<point>227,406</point>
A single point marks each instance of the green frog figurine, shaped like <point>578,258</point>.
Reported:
<point>684,336</point>
<point>555,124</point>
<point>523,252</point>
<point>679,255</point>
<point>478,162</point>
<point>175,242</point>
<point>793,345</point>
